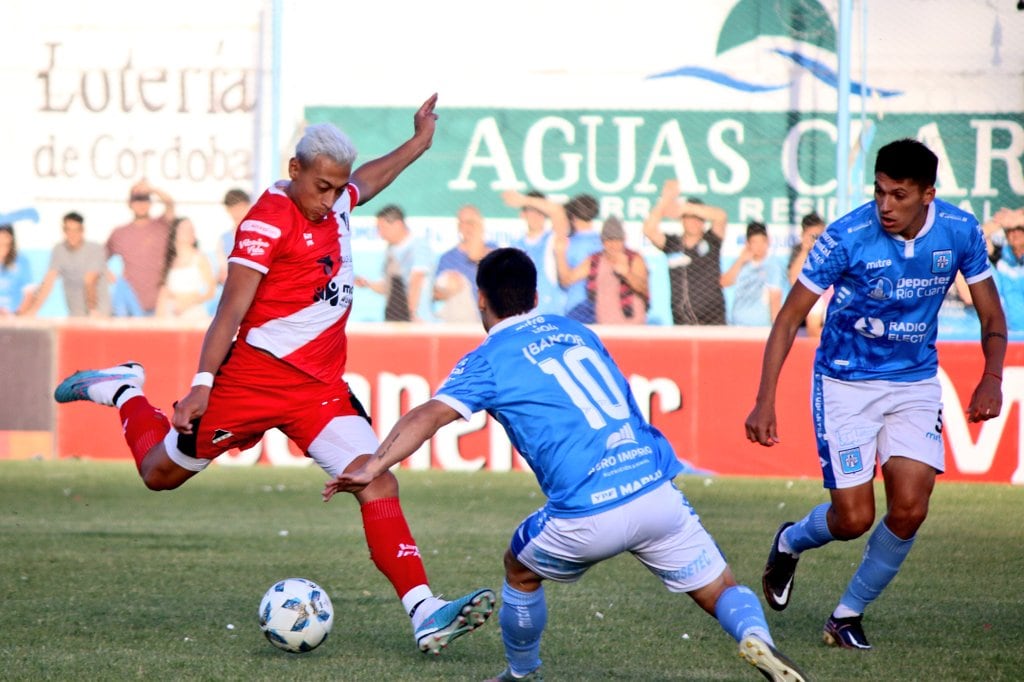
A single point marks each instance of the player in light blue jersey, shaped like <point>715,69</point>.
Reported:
<point>876,399</point>
<point>606,472</point>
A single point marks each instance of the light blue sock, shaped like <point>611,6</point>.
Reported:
<point>523,616</point>
<point>740,614</point>
<point>809,532</point>
<point>883,556</point>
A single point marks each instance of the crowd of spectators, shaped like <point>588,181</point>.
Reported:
<point>588,268</point>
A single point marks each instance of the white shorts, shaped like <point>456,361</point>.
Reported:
<point>338,443</point>
<point>857,422</point>
<point>659,528</point>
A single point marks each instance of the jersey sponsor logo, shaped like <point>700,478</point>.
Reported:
<point>922,287</point>
<point>639,483</point>
<point>260,227</point>
<point>332,294</point>
<point>880,289</point>
<point>603,496</point>
<point>621,437</point>
<point>909,332</point>
<point>842,297</point>
<point>870,327</point>
<point>850,461</point>
<point>942,261</point>
<point>308,236</point>
<point>880,263</point>
<point>328,263</point>
<point>254,247</point>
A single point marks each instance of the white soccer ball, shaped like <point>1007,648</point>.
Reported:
<point>296,615</point>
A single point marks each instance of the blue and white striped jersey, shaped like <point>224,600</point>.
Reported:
<point>567,408</point>
<point>882,320</point>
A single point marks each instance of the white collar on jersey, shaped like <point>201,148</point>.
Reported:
<point>509,321</point>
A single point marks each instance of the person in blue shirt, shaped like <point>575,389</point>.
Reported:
<point>15,274</point>
<point>606,472</point>
<point>876,400</point>
<point>539,241</point>
<point>758,280</point>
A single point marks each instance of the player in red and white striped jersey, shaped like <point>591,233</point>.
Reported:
<point>287,295</point>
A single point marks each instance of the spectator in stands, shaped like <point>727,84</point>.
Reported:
<point>694,257</point>
<point>811,227</point>
<point>615,279</point>
<point>15,273</point>
<point>538,243</point>
<point>1006,237</point>
<point>82,268</point>
<point>583,241</point>
<point>758,280</point>
<point>407,264</point>
<point>142,244</point>
<point>188,280</point>
<point>455,282</point>
<point>237,203</point>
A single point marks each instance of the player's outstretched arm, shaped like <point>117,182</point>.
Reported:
<point>407,435</point>
<point>373,176</point>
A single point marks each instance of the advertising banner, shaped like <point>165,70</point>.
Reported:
<point>697,388</point>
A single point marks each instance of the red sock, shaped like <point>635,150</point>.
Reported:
<point>144,427</point>
<point>391,544</point>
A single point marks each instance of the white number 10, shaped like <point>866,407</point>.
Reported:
<point>586,392</point>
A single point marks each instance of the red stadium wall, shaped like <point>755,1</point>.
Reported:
<point>696,388</point>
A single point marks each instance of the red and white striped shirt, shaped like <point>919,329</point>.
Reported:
<point>302,304</point>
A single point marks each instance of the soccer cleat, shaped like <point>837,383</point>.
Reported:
<point>454,619</point>
<point>507,676</point>
<point>99,385</point>
<point>777,579</point>
<point>769,660</point>
<point>846,633</point>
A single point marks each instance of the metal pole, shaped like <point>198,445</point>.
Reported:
<point>277,9</point>
<point>843,111</point>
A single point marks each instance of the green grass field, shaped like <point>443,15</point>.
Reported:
<point>104,580</point>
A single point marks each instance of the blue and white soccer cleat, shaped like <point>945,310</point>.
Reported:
<point>769,661</point>
<point>454,619</point>
<point>99,385</point>
<point>846,633</point>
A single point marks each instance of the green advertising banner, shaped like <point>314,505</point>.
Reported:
<point>768,166</point>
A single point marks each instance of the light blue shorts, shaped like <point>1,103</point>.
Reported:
<point>659,528</point>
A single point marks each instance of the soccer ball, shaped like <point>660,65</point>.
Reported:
<point>296,615</point>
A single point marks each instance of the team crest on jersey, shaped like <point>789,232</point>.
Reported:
<point>851,461</point>
<point>942,261</point>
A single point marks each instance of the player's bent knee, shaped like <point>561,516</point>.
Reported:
<point>851,524</point>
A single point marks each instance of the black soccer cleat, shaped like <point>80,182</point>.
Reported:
<point>846,633</point>
<point>777,579</point>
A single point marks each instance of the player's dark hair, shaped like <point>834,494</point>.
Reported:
<point>391,213</point>
<point>908,159</point>
<point>74,216</point>
<point>508,279</point>
<point>754,227</point>
<point>236,196</point>
<point>812,220</point>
